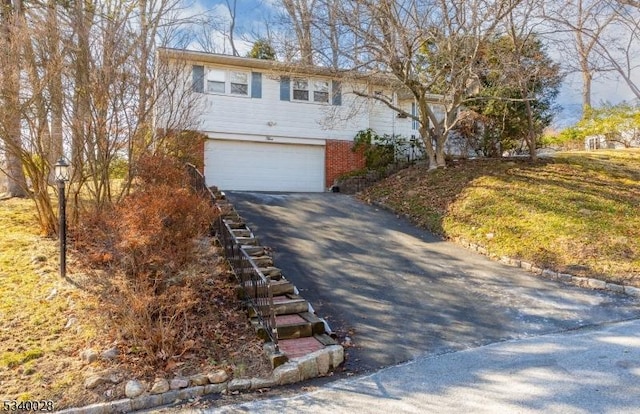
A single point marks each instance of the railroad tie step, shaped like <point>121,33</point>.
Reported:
<point>298,325</point>
<point>236,223</point>
<point>271,272</point>
<point>245,233</point>
<point>288,304</point>
<point>249,241</point>
<point>263,261</point>
<point>285,305</point>
<point>278,288</point>
<point>254,251</point>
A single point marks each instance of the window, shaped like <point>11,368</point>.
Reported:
<point>239,83</point>
<point>216,81</point>
<point>228,82</point>
<point>321,91</point>
<point>307,90</point>
<point>300,89</point>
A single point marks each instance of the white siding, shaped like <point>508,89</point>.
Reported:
<point>269,116</point>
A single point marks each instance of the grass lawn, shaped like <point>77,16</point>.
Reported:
<point>578,212</point>
<point>46,322</point>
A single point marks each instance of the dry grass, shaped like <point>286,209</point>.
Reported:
<point>46,322</point>
<point>578,212</point>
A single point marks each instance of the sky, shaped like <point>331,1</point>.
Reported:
<point>253,13</point>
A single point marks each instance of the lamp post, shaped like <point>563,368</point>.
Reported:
<point>61,175</point>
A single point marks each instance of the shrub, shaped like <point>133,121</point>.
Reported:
<point>150,238</point>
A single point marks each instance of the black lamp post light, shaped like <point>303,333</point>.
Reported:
<point>61,176</point>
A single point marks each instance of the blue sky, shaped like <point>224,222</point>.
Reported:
<point>253,13</point>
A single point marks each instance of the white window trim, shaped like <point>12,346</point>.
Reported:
<point>311,90</point>
<point>227,82</point>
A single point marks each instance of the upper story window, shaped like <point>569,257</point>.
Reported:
<point>228,82</point>
<point>310,90</point>
<point>231,82</point>
<point>300,89</point>
<point>239,82</point>
<point>216,81</point>
<point>321,91</point>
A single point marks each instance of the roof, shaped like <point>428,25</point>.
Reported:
<point>247,62</point>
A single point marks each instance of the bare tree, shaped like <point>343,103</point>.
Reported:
<point>301,17</point>
<point>585,21</point>
<point>425,47</point>
<point>87,68</point>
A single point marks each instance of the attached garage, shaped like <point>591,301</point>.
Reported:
<point>260,166</point>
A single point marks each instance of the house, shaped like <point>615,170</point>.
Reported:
<point>272,126</point>
<point>625,139</point>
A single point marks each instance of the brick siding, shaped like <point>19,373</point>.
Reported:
<point>340,159</point>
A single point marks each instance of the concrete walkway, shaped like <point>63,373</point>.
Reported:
<point>400,293</point>
<point>585,371</point>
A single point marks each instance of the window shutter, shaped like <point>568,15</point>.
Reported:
<point>336,87</point>
<point>285,85</point>
<point>197,77</point>
<point>256,85</point>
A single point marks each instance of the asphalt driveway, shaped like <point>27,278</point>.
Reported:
<point>399,292</point>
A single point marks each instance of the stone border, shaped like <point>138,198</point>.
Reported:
<point>318,363</point>
<point>583,282</point>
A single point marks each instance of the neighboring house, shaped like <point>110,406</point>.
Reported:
<point>272,126</point>
<point>625,139</point>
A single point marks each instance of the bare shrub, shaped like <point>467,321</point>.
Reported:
<point>151,240</point>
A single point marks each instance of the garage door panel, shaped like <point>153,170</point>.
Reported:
<point>255,166</point>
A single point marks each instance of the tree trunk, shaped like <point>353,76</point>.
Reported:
<point>11,111</point>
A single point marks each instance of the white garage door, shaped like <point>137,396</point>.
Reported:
<point>256,166</point>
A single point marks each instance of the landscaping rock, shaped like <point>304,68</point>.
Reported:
<point>308,367</point>
<point>215,388</point>
<point>323,360</point>
<point>178,383</point>
<point>337,355</point>
<point>93,381</point>
<point>633,291</point>
<point>218,377</point>
<point>287,373</point>
<point>597,284</point>
<point>160,385</point>
<point>615,288</point>
<point>133,389</point>
<point>89,355</point>
<point>239,385</point>
<point>70,322</point>
<point>565,277</point>
<point>109,354</point>
<point>199,379</point>
<point>260,383</point>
